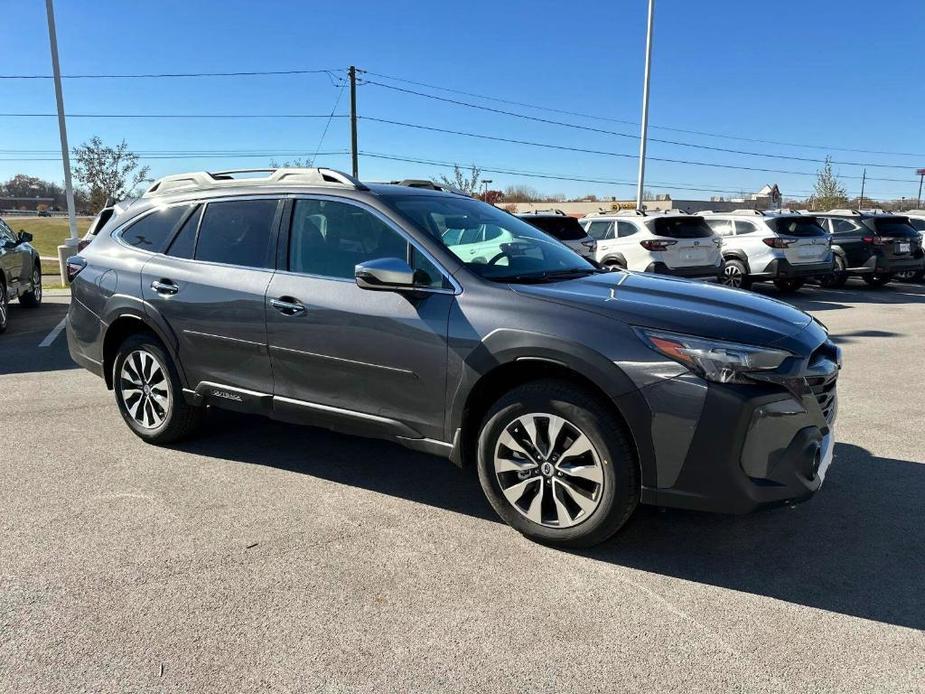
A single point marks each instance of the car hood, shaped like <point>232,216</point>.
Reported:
<point>683,306</point>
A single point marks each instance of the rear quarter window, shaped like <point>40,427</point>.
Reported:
<point>151,232</point>
<point>237,232</point>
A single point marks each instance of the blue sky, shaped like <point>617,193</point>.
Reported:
<point>839,74</point>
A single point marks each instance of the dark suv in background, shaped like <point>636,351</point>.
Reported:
<point>874,247</point>
<point>311,297</point>
<point>564,228</point>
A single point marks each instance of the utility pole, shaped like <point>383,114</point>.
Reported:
<point>353,122</point>
<point>918,199</point>
<point>645,108</point>
<point>863,181</point>
<point>70,245</point>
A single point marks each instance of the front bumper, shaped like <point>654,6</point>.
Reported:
<point>781,268</point>
<point>736,448</point>
<point>693,272</point>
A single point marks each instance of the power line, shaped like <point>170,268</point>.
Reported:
<point>553,176</point>
<point>328,124</point>
<point>546,145</point>
<point>168,75</point>
<point>216,155</point>
<point>174,115</point>
<point>676,143</point>
<point>636,123</point>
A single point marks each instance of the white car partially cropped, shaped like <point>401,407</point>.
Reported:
<point>670,243</point>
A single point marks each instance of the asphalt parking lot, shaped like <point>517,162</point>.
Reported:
<point>263,556</point>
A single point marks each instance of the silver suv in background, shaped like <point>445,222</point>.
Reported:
<point>917,221</point>
<point>668,243</point>
<point>784,248</point>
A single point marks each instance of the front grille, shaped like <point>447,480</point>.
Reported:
<point>823,388</point>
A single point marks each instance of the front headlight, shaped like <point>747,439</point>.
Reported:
<point>714,360</point>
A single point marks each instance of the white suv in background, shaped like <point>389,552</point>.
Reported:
<point>784,248</point>
<point>917,220</point>
<point>671,243</point>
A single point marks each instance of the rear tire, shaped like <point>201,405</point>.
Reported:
<point>149,394</point>
<point>574,491</point>
<point>838,277</point>
<point>877,280</point>
<point>916,276</point>
<point>735,274</point>
<point>788,285</point>
<point>33,298</point>
<point>613,265</point>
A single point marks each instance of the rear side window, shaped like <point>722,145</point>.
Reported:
<point>797,226</point>
<point>683,228</point>
<point>560,227</point>
<point>237,232</point>
<point>897,227</point>
<point>600,230</point>
<point>151,232</point>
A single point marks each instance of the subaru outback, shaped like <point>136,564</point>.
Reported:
<point>576,393</point>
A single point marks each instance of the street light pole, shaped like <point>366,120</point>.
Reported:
<point>70,245</point>
<point>918,199</point>
<point>486,181</point>
<point>645,108</point>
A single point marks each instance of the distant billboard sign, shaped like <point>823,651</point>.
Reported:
<point>920,172</point>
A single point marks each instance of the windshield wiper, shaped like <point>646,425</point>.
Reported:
<point>547,275</point>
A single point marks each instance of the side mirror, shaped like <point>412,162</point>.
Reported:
<point>24,236</point>
<point>384,274</point>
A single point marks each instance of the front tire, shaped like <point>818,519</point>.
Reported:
<point>735,274</point>
<point>838,278</point>
<point>557,465</point>
<point>149,394</point>
<point>33,298</point>
<point>788,286</point>
<point>877,279</point>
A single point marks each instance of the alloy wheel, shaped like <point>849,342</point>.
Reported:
<point>732,276</point>
<point>144,389</point>
<point>549,470</point>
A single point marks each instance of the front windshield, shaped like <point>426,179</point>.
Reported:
<point>492,243</point>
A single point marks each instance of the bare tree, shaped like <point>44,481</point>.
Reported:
<point>467,183</point>
<point>829,191</point>
<point>108,173</point>
<point>521,193</point>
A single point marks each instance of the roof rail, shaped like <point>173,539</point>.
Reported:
<point>546,211</point>
<point>748,211</point>
<point>631,213</point>
<point>844,211</point>
<point>428,185</point>
<point>219,179</point>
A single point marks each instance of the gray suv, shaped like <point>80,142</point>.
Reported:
<point>308,296</point>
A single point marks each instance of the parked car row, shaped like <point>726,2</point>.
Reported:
<point>427,318</point>
<point>741,247</point>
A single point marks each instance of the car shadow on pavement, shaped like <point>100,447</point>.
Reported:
<point>26,330</point>
<point>856,548</point>
<point>816,298</point>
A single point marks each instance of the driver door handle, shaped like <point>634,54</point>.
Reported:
<point>164,287</point>
<point>287,305</point>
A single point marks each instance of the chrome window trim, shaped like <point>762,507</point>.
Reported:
<point>457,287</point>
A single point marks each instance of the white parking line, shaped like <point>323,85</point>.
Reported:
<point>50,337</point>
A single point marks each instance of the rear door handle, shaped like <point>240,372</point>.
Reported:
<point>164,287</point>
<point>287,306</point>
